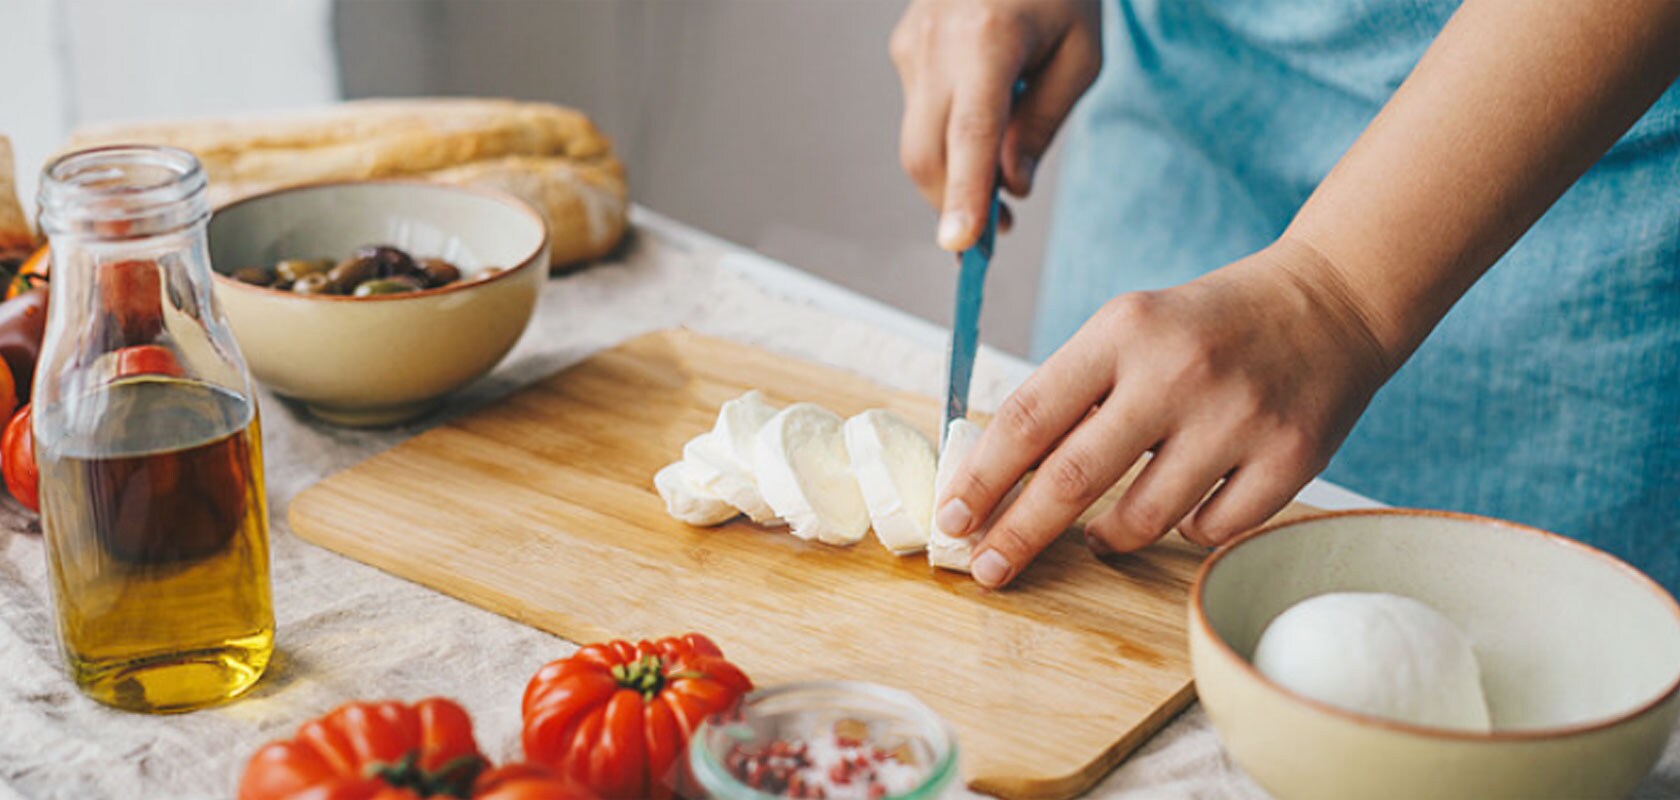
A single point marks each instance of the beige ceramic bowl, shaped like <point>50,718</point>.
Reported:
<point>379,360</point>
<point>1580,658</point>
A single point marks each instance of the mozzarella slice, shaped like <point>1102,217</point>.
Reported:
<point>686,501</point>
<point>804,473</point>
<point>894,466</point>
<point>723,458</point>
<point>945,551</point>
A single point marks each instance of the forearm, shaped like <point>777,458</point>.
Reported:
<point>1509,106</point>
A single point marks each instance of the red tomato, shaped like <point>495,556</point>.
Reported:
<point>148,359</point>
<point>132,293</point>
<point>617,717</point>
<point>8,392</point>
<point>526,782</point>
<point>369,751</point>
<point>23,323</point>
<point>17,461</point>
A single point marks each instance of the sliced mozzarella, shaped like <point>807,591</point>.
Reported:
<point>804,474</point>
<point>950,552</point>
<point>686,501</point>
<point>723,458</point>
<point>894,466</point>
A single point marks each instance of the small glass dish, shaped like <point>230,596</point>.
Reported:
<point>824,722</point>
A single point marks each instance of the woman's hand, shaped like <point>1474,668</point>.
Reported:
<point>959,61</point>
<point>1251,375</point>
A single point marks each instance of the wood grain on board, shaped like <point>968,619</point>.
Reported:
<point>541,507</point>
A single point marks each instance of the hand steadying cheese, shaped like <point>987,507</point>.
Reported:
<point>805,475</point>
<point>894,466</point>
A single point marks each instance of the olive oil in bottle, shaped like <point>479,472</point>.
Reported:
<point>158,546</point>
<point>148,442</point>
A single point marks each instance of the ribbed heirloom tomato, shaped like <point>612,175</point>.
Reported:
<point>362,751</point>
<point>393,751</point>
<point>617,717</point>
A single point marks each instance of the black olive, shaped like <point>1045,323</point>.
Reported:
<point>391,260</point>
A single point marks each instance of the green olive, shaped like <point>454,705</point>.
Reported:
<point>316,283</point>
<point>294,269</point>
<point>256,276</point>
<point>439,272</point>
<point>397,285</point>
<point>353,271</point>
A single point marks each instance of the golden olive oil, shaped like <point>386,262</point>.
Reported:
<point>157,538</point>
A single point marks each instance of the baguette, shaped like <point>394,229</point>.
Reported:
<point>550,156</point>
<point>16,238</point>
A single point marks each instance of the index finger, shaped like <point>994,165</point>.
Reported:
<point>973,147</point>
<point>1051,402</point>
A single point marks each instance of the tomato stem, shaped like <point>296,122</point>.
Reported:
<point>454,779</point>
<point>646,676</point>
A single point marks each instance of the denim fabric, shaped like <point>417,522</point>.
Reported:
<point>1550,395</point>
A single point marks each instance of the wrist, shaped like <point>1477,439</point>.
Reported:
<point>1355,308</point>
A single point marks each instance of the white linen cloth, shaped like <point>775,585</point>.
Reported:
<point>348,631</point>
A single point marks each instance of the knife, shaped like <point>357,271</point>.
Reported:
<point>965,328</point>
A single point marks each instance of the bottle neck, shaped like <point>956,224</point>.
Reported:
<point>122,194</point>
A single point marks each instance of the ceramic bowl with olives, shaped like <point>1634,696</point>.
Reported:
<point>370,301</point>
<point>374,269</point>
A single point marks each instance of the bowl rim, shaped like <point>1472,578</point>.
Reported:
<point>1198,618</point>
<point>507,199</point>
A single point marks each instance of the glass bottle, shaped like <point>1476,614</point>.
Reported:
<point>148,441</point>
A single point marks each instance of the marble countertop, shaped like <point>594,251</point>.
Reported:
<point>348,631</point>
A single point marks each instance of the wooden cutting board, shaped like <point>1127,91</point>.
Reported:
<point>541,507</point>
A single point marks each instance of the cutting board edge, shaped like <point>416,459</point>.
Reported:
<point>1087,777</point>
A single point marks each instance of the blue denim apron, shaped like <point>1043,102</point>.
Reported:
<point>1550,394</point>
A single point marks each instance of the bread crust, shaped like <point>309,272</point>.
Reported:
<point>551,156</point>
<point>15,234</point>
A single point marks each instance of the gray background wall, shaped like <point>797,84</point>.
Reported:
<point>771,123</point>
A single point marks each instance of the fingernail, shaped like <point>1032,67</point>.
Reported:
<point>1029,166</point>
<point>990,568</point>
<point>953,517</point>
<point>953,229</point>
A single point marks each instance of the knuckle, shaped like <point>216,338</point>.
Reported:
<point>1201,533</point>
<point>919,164</point>
<point>1072,479</point>
<point>1131,309</point>
<point>1015,544</point>
<point>969,486</point>
<point>913,34</point>
<point>1106,529</point>
<point>1211,530</point>
<point>975,126</point>
<point>1022,417</point>
<point>900,48</point>
<point>1143,518</point>
<point>985,22</point>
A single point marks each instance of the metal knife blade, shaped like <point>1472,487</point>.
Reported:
<point>965,326</point>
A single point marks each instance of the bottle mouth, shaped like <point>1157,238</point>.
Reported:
<point>122,192</point>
